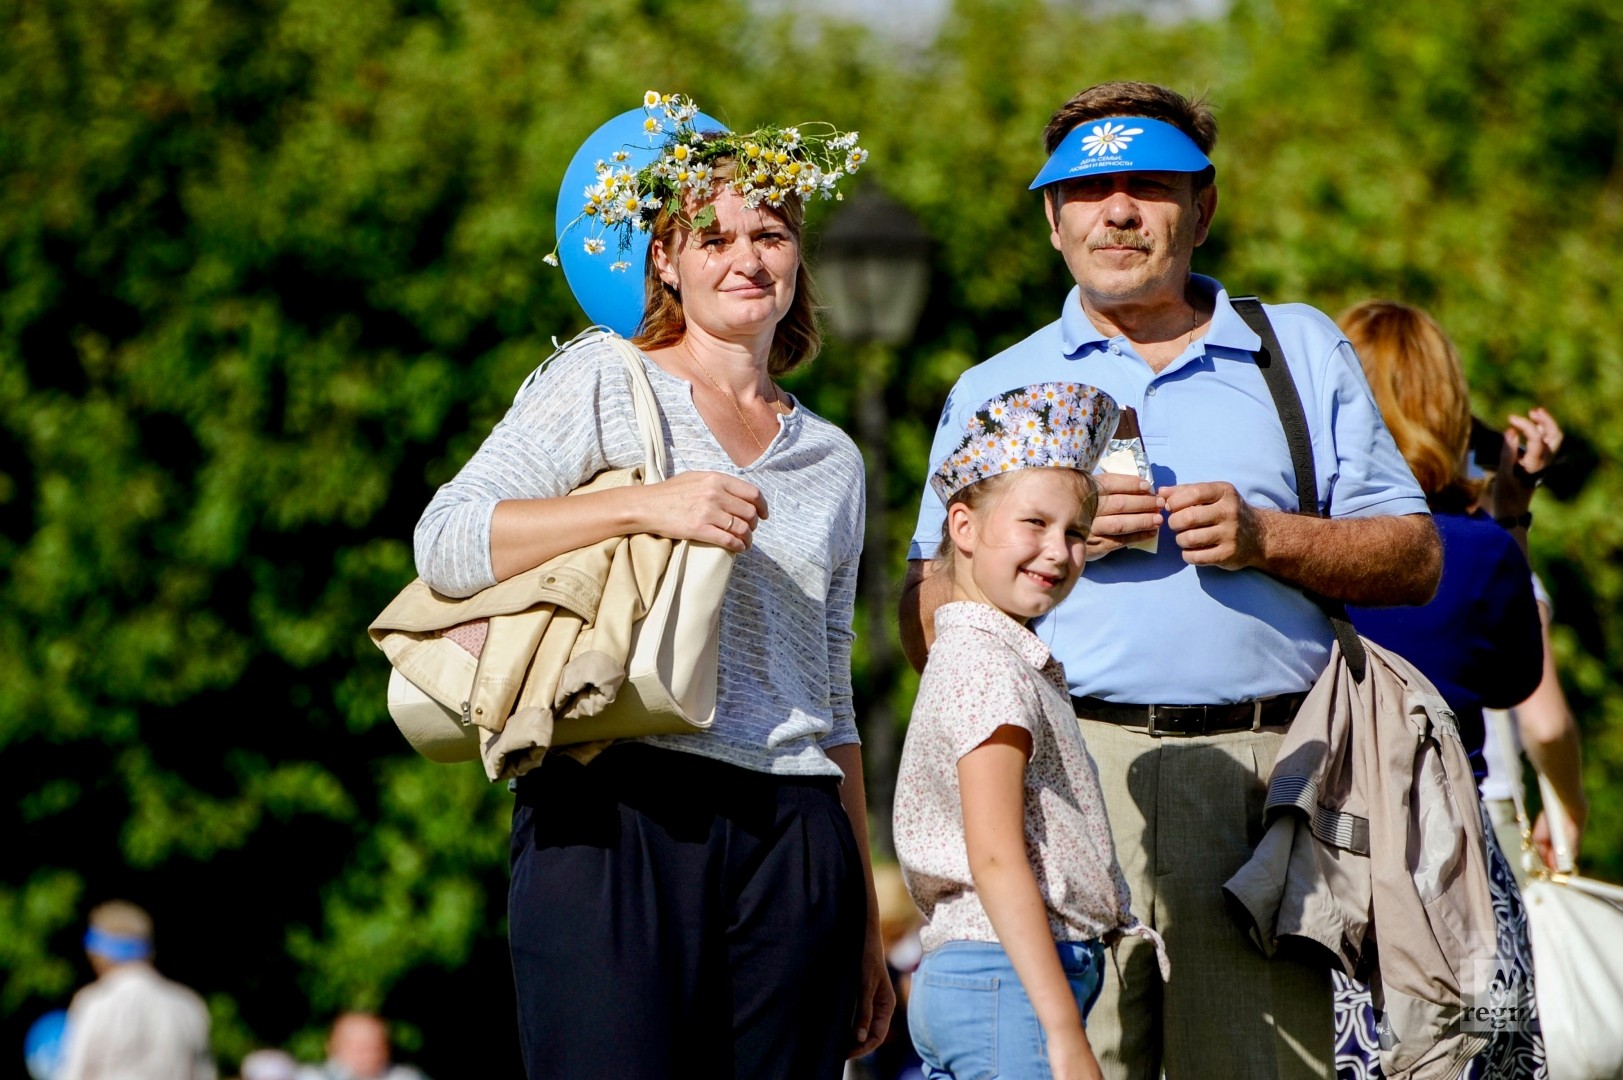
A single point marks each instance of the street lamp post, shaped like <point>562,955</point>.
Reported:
<point>874,270</point>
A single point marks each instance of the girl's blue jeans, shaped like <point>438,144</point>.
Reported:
<point>970,1017</point>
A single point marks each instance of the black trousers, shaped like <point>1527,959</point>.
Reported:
<point>672,916</point>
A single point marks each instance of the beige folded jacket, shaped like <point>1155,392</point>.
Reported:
<point>1375,839</point>
<point>548,662</point>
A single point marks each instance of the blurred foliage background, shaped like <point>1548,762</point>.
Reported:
<point>270,269</point>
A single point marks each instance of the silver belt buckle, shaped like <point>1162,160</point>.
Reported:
<point>1149,728</point>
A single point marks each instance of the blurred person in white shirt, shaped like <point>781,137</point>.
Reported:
<point>132,1023</point>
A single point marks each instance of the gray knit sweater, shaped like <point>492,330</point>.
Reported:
<point>784,687</point>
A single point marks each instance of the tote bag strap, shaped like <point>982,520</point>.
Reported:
<point>656,465</point>
<point>1511,755</point>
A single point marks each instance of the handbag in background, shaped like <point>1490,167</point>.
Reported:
<point>1576,924</point>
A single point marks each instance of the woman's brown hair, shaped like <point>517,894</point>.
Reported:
<point>1419,385</point>
<point>797,339</point>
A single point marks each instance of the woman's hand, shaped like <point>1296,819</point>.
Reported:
<point>1540,436</point>
<point>876,998</point>
<point>1531,443</point>
<point>1544,840</point>
<point>710,507</point>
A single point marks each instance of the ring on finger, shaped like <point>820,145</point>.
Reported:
<point>732,519</point>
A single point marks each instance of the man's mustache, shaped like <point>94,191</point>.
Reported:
<point>1119,238</point>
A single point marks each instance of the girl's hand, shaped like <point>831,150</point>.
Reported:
<point>710,507</point>
<point>1071,1058</point>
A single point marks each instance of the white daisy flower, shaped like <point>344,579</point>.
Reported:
<point>650,100</point>
<point>1025,421</point>
<point>1109,138</point>
<point>550,259</point>
<point>621,265</point>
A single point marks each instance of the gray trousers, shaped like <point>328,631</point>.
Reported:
<point>1186,813</point>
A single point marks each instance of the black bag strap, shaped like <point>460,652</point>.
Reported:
<point>1276,373</point>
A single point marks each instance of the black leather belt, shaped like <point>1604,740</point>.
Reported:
<point>1274,712</point>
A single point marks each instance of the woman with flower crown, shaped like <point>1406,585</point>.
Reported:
<point>701,902</point>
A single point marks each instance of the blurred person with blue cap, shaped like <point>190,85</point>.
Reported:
<point>1192,638</point>
<point>132,1023</point>
<point>703,901</point>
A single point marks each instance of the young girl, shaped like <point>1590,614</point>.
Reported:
<point>1000,827</point>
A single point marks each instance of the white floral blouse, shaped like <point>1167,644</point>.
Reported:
<point>985,671</point>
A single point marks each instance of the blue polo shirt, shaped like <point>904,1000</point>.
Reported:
<point>1149,628</point>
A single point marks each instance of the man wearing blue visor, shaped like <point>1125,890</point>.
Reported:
<point>1190,642</point>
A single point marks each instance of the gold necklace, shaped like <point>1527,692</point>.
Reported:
<point>732,400</point>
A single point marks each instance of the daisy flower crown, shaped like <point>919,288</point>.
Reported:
<point>775,164</point>
<point>1056,425</point>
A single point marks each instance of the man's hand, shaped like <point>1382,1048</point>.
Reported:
<point>1213,525</point>
<point>1129,512</point>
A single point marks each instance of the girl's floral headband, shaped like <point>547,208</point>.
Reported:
<point>774,164</point>
<point>1058,425</point>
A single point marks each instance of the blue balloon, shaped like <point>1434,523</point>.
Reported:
<point>612,298</point>
<point>44,1044</point>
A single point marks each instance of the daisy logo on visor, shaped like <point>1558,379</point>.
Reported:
<point>1109,138</point>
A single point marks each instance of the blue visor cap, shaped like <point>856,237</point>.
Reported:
<point>1121,144</point>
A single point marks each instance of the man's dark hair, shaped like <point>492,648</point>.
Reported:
<point>1193,118</point>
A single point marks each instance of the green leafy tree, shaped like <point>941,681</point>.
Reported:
<point>270,271</point>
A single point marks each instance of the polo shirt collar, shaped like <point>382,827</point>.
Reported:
<point>1226,330</point>
<point>989,620</point>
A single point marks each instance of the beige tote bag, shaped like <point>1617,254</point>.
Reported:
<point>670,683</point>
